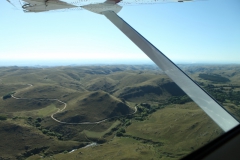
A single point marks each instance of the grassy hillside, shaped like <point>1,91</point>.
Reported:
<point>167,124</point>
<point>19,141</point>
<point>93,106</point>
<point>169,133</point>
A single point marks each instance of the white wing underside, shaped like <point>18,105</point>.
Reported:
<point>43,5</point>
<point>96,6</point>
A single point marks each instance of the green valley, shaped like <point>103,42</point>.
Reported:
<point>122,111</point>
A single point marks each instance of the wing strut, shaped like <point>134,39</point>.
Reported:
<point>192,89</point>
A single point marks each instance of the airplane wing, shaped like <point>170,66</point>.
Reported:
<point>101,7</point>
<point>45,5</point>
<point>207,103</point>
<point>53,5</point>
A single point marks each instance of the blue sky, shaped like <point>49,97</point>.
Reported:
<point>194,32</point>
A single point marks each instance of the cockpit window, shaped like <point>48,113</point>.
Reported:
<point>73,86</point>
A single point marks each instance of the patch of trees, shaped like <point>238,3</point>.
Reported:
<point>3,117</point>
<point>114,129</point>
<point>51,133</point>
<point>33,151</point>
<point>37,123</point>
<point>179,99</point>
<point>144,109</point>
<point>143,140</point>
<point>222,96</point>
<point>126,121</point>
<point>99,140</point>
<point>120,132</point>
<point>213,77</point>
<point>7,95</point>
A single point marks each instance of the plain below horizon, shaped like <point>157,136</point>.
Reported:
<point>52,63</point>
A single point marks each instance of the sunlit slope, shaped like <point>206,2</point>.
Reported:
<point>21,75</point>
<point>158,88</point>
<point>133,85</point>
<point>39,75</point>
<point>33,97</point>
<point>93,107</point>
<point>8,88</point>
<point>12,105</point>
<point>177,125</point>
<point>48,91</point>
<point>102,83</point>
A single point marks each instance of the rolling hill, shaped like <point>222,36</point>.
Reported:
<point>167,125</point>
<point>92,107</point>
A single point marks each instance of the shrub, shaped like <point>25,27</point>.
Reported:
<point>122,130</point>
<point>114,129</point>
<point>37,124</point>
<point>139,118</point>
<point>140,109</point>
<point>119,134</point>
<point>15,117</point>
<point>44,131</point>
<point>59,136</point>
<point>101,140</point>
<point>39,119</point>
<point>3,117</point>
<point>51,134</point>
<point>128,123</point>
<point>6,96</point>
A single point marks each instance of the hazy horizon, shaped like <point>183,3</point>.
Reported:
<point>52,63</point>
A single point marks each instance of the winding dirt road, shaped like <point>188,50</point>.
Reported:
<point>65,106</point>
